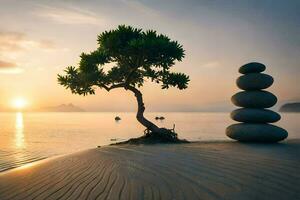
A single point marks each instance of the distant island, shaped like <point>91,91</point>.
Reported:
<point>290,107</point>
<point>62,108</point>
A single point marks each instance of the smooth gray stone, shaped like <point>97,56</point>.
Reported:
<point>290,107</point>
<point>254,81</point>
<point>254,99</point>
<point>252,67</point>
<point>254,115</point>
<point>246,132</point>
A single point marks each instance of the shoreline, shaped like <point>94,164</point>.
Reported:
<point>198,170</point>
<point>40,160</point>
<point>217,141</point>
<point>3,170</point>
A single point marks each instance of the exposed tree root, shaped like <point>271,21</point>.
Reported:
<point>163,136</point>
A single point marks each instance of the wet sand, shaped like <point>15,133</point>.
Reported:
<point>13,159</point>
<point>202,170</point>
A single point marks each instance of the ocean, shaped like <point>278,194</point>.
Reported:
<point>28,137</point>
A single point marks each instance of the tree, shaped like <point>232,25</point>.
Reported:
<point>137,56</point>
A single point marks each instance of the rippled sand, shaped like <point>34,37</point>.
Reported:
<point>13,159</point>
<point>222,170</point>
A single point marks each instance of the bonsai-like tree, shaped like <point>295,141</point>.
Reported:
<point>137,56</point>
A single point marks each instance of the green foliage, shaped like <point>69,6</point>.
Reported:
<point>138,56</point>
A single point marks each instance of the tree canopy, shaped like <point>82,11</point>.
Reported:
<point>137,56</point>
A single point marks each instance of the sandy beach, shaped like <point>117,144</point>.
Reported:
<point>202,170</point>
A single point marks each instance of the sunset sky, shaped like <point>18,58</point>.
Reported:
<point>38,39</point>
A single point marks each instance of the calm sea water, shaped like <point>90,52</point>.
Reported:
<point>26,137</point>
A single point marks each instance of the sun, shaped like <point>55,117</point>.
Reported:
<point>19,103</point>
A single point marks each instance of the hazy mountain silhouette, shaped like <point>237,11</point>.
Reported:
<point>62,108</point>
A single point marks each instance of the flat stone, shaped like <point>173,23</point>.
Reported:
<point>253,115</point>
<point>252,67</point>
<point>254,81</point>
<point>254,99</point>
<point>246,132</point>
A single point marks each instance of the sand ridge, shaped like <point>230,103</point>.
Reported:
<point>211,170</point>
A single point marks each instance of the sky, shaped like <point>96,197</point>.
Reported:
<point>38,39</point>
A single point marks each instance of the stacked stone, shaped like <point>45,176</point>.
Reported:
<point>253,116</point>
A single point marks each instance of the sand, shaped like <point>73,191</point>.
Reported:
<point>206,170</point>
<point>13,159</point>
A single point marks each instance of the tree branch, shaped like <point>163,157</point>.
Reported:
<point>120,85</point>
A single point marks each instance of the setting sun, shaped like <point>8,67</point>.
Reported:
<point>19,103</point>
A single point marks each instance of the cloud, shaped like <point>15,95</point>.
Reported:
<point>9,68</point>
<point>69,15</point>
<point>11,41</point>
<point>211,65</point>
<point>16,41</point>
<point>16,70</point>
<point>4,64</point>
<point>47,44</point>
<point>141,7</point>
<point>15,44</point>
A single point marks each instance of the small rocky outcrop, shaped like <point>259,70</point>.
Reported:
<point>254,118</point>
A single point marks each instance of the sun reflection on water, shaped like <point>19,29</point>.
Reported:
<point>19,131</point>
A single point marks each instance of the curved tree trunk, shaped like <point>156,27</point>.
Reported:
<point>140,112</point>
